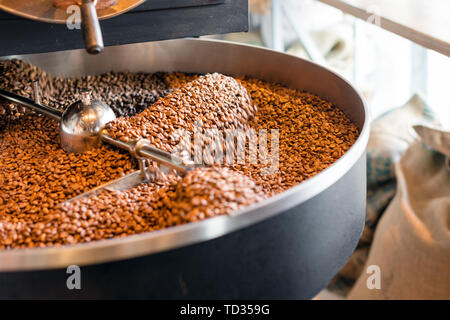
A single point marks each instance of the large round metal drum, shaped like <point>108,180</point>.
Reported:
<point>288,246</point>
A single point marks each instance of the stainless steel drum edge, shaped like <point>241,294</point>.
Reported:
<point>166,56</point>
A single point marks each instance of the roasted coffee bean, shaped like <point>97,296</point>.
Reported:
<point>34,168</point>
<point>37,176</point>
<point>212,101</point>
<point>126,93</point>
<point>205,193</point>
<point>202,193</point>
<point>313,133</point>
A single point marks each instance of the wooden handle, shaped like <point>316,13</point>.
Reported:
<point>93,39</point>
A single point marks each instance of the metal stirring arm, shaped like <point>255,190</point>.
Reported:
<point>45,110</point>
<point>141,149</point>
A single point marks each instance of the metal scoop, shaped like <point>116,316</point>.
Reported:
<point>81,129</point>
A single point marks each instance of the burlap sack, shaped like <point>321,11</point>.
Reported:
<point>412,241</point>
<point>390,136</point>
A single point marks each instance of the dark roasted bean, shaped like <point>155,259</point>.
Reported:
<point>37,176</point>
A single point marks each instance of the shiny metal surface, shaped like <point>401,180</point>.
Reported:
<point>142,150</point>
<point>82,123</point>
<point>43,10</point>
<point>36,92</point>
<point>34,105</point>
<point>81,128</point>
<point>201,56</point>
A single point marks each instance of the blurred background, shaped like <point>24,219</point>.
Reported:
<point>404,84</point>
<point>386,68</point>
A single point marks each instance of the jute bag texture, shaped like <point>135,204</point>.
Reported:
<point>411,244</point>
<point>390,137</point>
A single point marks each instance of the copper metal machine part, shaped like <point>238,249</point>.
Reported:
<point>46,11</point>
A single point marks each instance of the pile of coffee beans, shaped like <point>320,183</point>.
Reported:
<point>125,92</point>
<point>17,76</point>
<point>202,193</point>
<point>211,101</point>
<point>205,193</point>
<point>37,176</point>
<point>313,133</point>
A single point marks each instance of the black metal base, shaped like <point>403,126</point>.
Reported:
<point>290,256</point>
<point>154,20</point>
